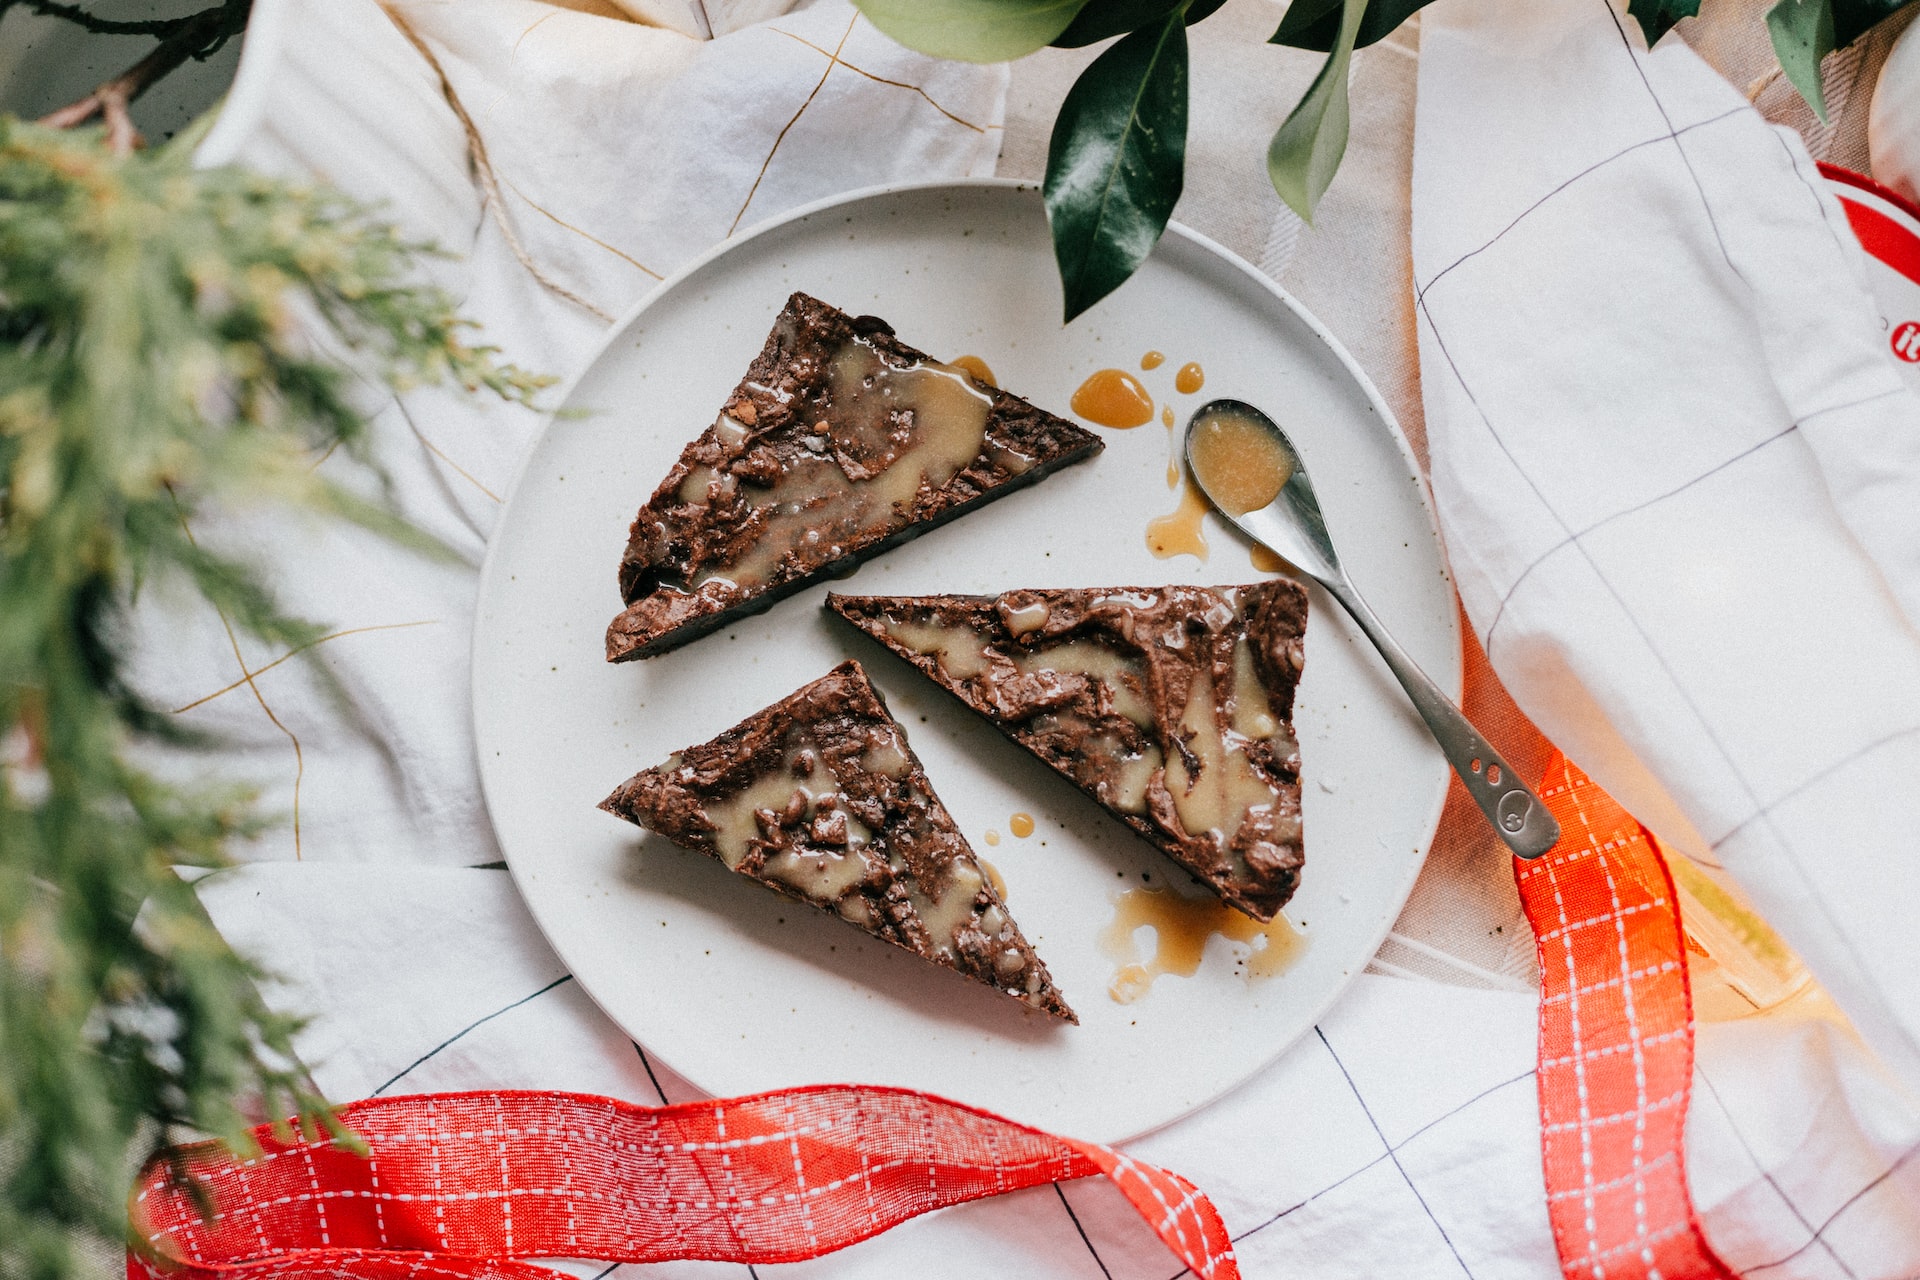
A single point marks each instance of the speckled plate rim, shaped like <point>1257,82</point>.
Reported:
<point>1450,677</point>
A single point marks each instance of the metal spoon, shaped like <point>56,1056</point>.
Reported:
<point>1290,524</point>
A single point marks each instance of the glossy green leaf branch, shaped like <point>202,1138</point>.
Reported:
<point>1119,144</point>
<point>973,30</point>
<point>1656,17</point>
<point>1306,151</point>
<point>1315,24</point>
<point>1806,31</point>
<point>1802,32</point>
<point>1105,19</point>
<point>1117,158</point>
<point>1854,18</point>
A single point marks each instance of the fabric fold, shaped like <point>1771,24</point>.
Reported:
<point>1679,479</point>
<point>1402,1136</point>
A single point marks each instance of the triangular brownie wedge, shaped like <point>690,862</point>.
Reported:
<point>820,798</point>
<point>840,442</point>
<point>1171,706</point>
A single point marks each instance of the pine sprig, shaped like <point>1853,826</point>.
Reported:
<point>170,339</point>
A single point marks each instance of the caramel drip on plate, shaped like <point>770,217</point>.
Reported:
<point>1173,448</point>
<point>1181,927</point>
<point>1113,398</point>
<point>977,369</point>
<point>1152,360</point>
<point>992,873</point>
<point>1266,561</point>
<point>1021,824</point>
<point>1190,378</point>
<point>993,838</point>
<point>1179,533</point>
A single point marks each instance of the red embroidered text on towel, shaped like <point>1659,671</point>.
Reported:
<point>458,1186</point>
<point>1616,1044</point>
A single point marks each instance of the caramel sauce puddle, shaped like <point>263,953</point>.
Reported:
<point>1173,448</point>
<point>977,369</point>
<point>1178,533</point>
<point>992,873</point>
<point>1181,927</point>
<point>1113,398</point>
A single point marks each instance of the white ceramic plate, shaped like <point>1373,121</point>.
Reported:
<point>740,990</point>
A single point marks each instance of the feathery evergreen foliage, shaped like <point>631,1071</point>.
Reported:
<point>158,354</point>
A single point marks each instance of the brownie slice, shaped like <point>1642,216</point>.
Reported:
<point>818,797</point>
<point>840,442</point>
<point>1171,706</point>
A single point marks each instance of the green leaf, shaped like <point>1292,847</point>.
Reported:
<point>1116,161</point>
<point>972,30</point>
<point>1854,18</point>
<point>1656,17</point>
<point>1306,150</point>
<point>1315,24</point>
<point>1806,31</point>
<point>1104,19</point>
<point>1802,33</point>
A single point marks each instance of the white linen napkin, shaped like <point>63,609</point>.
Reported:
<point>1678,473</point>
<point>1400,1139</point>
<point>615,154</point>
<point>1679,478</point>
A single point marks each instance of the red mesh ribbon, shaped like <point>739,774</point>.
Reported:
<point>461,1185</point>
<point>1616,1044</point>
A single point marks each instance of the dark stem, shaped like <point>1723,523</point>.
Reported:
<point>100,26</point>
<point>196,35</point>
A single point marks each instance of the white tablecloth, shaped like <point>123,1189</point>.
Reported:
<point>1401,1138</point>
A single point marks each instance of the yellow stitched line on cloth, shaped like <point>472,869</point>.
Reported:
<point>246,678</point>
<point>466,475</point>
<point>406,415</point>
<point>441,454</point>
<point>833,60</point>
<point>515,51</point>
<point>483,168</point>
<point>295,652</point>
<point>898,84</point>
<point>558,221</point>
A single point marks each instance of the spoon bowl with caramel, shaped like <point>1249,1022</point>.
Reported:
<point>1251,472</point>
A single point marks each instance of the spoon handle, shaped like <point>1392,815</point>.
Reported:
<point>1510,805</point>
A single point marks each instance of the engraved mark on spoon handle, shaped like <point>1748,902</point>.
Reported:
<point>1517,814</point>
